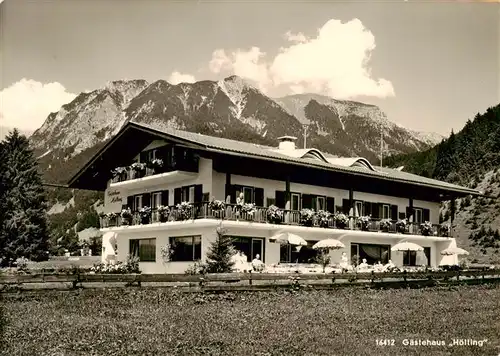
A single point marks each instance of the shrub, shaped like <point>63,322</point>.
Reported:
<point>196,268</point>
<point>219,256</point>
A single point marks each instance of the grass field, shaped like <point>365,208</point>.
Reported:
<point>166,322</point>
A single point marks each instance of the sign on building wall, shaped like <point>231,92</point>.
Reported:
<point>113,200</point>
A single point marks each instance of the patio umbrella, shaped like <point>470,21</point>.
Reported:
<point>454,251</point>
<point>288,238</point>
<point>331,244</point>
<point>407,246</point>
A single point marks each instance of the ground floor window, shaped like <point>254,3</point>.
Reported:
<point>185,248</point>
<point>145,249</point>
<point>409,258</point>
<point>294,254</point>
<point>373,253</point>
<point>250,246</point>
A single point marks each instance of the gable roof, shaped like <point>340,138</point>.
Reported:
<point>356,166</point>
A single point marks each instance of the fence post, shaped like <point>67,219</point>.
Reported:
<point>250,279</point>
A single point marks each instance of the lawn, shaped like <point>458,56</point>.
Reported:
<point>165,322</point>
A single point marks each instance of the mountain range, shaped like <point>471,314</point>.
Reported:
<point>229,108</point>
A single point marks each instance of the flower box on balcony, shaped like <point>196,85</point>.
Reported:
<point>385,225</point>
<point>163,212</point>
<point>364,222</point>
<point>126,216</point>
<point>274,214</point>
<point>155,164</point>
<point>248,210</point>
<point>341,220</point>
<point>184,210</point>
<point>307,217</point>
<point>402,226</point>
<point>145,215</point>
<point>426,228</point>
<point>139,169</point>
<point>444,230</point>
<point>323,218</point>
<point>119,174</point>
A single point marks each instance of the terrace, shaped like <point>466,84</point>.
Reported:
<point>270,215</point>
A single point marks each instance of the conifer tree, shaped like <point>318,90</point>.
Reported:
<point>220,253</point>
<point>23,217</point>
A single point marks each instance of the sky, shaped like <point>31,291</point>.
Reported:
<point>430,66</point>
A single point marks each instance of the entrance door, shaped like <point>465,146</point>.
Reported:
<point>258,248</point>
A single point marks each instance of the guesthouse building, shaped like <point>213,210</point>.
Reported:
<point>170,188</point>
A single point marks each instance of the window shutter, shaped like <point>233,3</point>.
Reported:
<point>426,215</point>
<point>258,196</point>
<point>394,212</point>
<point>143,157</point>
<point>368,208</point>
<point>408,212</point>
<point>177,196</point>
<point>330,204</point>
<point>307,201</point>
<point>280,199</point>
<point>130,202</point>
<point>198,193</point>
<point>235,188</point>
<point>345,206</point>
<point>376,210</point>
<point>146,199</point>
<point>164,198</point>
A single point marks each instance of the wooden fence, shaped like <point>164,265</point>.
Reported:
<point>226,281</point>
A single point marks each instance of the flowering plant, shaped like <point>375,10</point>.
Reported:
<point>341,220</point>
<point>364,222</point>
<point>444,230</point>
<point>112,215</point>
<point>118,171</point>
<point>156,163</point>
<point>216,205</point>
<point>163,212</point>
<point>248,208</point>
<point>184,210</point>
<point>274,214</point>
<point>323,217</point>
<point>401,225</point>
<point>130,266</point>
<point>145,211</point>
<point>138,167</point>
<point>166,253</point>
<point>307,217</point>
<point>126,216</point>
<point>426,228</point>
<point>385,224</point>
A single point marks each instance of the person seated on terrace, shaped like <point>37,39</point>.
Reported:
<point>390,266</point>
<point>363,265</point>
<point>257,264</point>
<point>378,267</point>
<point>344,261</point>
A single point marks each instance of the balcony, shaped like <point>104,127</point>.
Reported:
<point>170,172</point>
<point>234,212</point>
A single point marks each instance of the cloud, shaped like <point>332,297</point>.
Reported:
<point>335,62</point>
<point>27,103</point>
<point>177,77</point>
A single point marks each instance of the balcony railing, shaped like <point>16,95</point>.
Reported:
<point>260,214</point>
<point>129,173</point>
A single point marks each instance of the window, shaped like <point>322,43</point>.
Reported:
<point>295,200</point>
<point>418,216</point>
<point>185,248</point>
<point>270,201</point>
<point>320,203</point>
<point>156,200</point>
<point>386,212</point>
<point>188,194</point>
<point>145,249</point>
<point>250,246</point>
<point>373,253</point>
<point>205,197</point>
<point>409,258</point>
<point>247,194</point>
<point>294,254</point>
<point>359,208</point>
<point>137,202</point>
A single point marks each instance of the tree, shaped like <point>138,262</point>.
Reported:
<point>219,256</point>
<point>23,207</point>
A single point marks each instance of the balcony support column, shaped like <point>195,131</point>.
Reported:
<point>452,213</point>
<point>227,190</point>
<point>351,208</point>
<point>411,215</point>
<point>287,198</point>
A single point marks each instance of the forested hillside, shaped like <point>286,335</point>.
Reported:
<point>470,157</point>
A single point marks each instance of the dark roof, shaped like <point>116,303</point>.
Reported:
<point>227,146</point>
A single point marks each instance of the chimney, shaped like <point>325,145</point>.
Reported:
<point>287,143</point>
